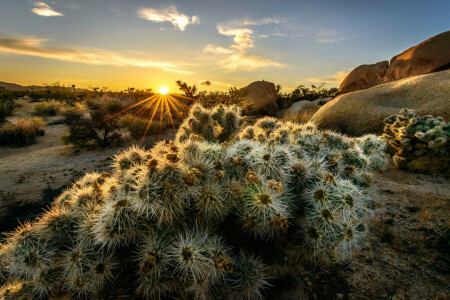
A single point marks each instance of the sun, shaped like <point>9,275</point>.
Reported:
<point>163,90</point>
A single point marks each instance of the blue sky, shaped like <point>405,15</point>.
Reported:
<point>118,43</point>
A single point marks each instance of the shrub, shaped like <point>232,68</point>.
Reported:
<point>102,126</point>
<point>421,143</point>
<point>138,127</point>
<point>6,109</point>
<point>50,108</point>
<point>284,100</point>
<point>195,218</point>
<point>21,133</point>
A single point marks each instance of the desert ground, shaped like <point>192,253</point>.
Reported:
<point>405,255</point>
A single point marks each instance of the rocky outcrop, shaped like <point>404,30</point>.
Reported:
<point>363,77</point>
<point>432,55</point>
<point>263,96</point>
<point>363,111</point>
<point>429,56</point>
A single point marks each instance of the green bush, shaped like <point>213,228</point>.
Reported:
<point>196,218</point>
<point>21,133</point>
<point>101,127</point>
<point>421,143</point>
<point>284,100</point>
<point>50,108</point>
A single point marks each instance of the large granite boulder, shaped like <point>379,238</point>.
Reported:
<point>429,56</point>
<point>300,110</point>
<point>263,96</point>
<point>432,55</point>
<point>362,112</point>
<point>363,77</point>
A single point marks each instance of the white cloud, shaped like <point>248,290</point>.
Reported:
<point>258,22</point>
<point>35,47</point>
<point>210,48</point>
<point>235,57</point>
<point>43,9</point>
<point>241,61</point>
<point>168,14</point>
<point>337,77</point>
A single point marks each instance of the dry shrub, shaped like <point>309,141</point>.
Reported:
<point>138,127</point>
<point>21,133</point>
<point>50,108</point>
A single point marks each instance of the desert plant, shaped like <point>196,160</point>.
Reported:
<point>421,143</point>
<point>189,91</point>
<point>138,127</point>
<point>284,100</point>
<point>50,108</point>
<point>22,132</point>
<point>219,124</point>
<point>102,126</point>
<point>222,212</point>
<point>6,109</point>
<point>232,97</point>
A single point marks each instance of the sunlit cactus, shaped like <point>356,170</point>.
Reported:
<point>126,159</point>
<point>217,125</point>
<point>193,218</point>
<point>421,143</point>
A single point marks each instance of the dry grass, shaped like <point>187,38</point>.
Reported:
<point>22,132</point>
<point>50,108</point>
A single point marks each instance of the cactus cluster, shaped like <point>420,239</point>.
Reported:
<point>421,143</point>
<point>219,213</point>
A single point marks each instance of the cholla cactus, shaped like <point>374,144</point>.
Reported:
<point>221,212</point>
<point>217,125</point>
<point>422,143</point>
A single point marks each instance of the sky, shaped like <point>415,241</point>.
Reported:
<point>149,44</point>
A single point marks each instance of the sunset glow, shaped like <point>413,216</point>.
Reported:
<point>163,90</point>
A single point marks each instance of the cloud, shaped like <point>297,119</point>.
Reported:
<point>35,47</point>
<point>43,9</point>
<point>323,35</point>
<point>232,59</point>
<point>258,22</point>
<point>241,61</point>
<point>210,48</point>
<point>242,37</point>
<point>235,57</point>
<point>168,14</point>
<point>337,77</point>
<point>217,83</point>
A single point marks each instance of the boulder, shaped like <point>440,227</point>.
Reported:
<point>429,56</point>
<point>322,101</point>
<point>362,112</point>
<point>263,96</point>
<point>363,77</point>
<point>300,107</point>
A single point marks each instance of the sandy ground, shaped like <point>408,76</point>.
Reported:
<point>402,258</point>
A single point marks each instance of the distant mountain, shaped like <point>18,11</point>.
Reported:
<point>18,87</point>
